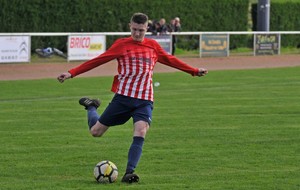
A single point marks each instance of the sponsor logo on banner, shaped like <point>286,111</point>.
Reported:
<point>14,49</point>
<point>267,44</point>
<point>214,45</point>
<point>85,47</point>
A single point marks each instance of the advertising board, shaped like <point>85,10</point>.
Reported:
<point>214,45</point>
<point>266,44</point>
<point>14,49</point>
<point>85,47</point>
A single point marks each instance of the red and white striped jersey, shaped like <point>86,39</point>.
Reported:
<point>136,61</point>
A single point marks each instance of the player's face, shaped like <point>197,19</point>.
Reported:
<point>138,31</point>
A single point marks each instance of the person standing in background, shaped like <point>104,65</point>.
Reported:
<point>176,27</point>
<point>163,27</point>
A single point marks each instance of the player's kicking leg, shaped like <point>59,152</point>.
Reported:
<point>96,128</point>
<point>87,102</point>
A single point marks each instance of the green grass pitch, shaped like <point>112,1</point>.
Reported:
<point>228,130</point>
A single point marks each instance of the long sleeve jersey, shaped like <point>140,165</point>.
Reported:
<point>136,61</point>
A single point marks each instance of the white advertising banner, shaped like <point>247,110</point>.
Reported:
<point>85,47</point>
<point>14,49</point>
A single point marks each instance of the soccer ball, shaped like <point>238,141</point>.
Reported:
<point>106,172</point>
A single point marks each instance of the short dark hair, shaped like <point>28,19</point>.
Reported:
<point>139,18</point>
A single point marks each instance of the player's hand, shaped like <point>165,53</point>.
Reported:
<point>202,72</point>
<point>64,76</point>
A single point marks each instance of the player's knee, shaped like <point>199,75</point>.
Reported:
<point>98,130</point>
<point>141,128</point>
<point>140,132</point>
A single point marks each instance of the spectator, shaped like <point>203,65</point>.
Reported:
<point>150,26</point>
<point>163,27</point>
<point>175,28</point>
<point>171,26</point>
<point>156,28</point>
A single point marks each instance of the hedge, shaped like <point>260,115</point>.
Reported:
<point>114,16</point>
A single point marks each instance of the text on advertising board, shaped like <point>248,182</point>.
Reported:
<point>84,42</point>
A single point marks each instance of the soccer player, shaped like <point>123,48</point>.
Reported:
<point>136,56</point>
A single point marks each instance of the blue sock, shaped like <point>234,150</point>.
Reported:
<point>92,116</point>
<point>134,153</point>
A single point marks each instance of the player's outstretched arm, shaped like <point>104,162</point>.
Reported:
<point>64,76</point>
